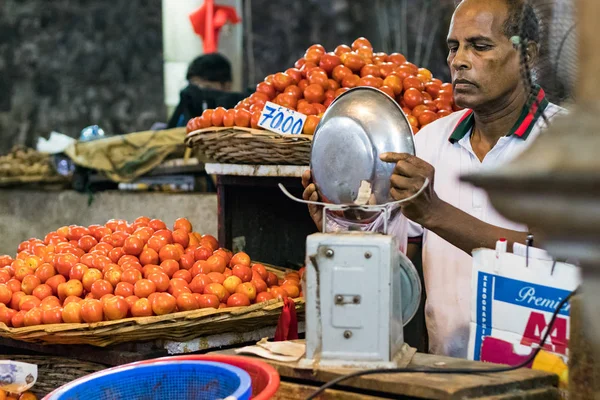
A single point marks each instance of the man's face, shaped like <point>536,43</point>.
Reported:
<point>483,62</point>
<point>203,83</point>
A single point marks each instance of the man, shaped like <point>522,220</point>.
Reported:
<point>209,86</point>
<point>499,122</point>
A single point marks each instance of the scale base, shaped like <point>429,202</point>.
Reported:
<point>400,360</point>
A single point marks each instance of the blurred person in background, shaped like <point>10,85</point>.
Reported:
<point>209,86</point>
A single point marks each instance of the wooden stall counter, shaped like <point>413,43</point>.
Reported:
<point>523,384</point>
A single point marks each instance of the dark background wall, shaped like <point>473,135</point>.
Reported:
<point>66,64</point>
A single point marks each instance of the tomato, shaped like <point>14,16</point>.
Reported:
<point>91,310</point>
<point>271,279</point>
<point>169,267</point>
<point>22,272</point>
<point>281,81</point>
<point>217,289</point>
<point>353,61</point>
<point>71,313</point>
<point>101,262</point>
<point>202,253</point>
<point>52,316</point>
<point>208,301</point>
<point>242,272</point>
<point>341,49</point>
<point>206,119</point>
<point>54,281</point>
<point>124,289</point>
<point>115,308</point>
<point>17,320</point>
<point>27,302</point>
<point>229,118</point>
<point>386,69</point>
<point>86,242</point>
<point>264,296</point>
<point>295,74</point>
<point>318,76</point>
<point>217,116</point>
<point>267,89</point>
<point>199,282</point>
<point>142,308</point>
<point>100,288</point>
<point>160,280</point>
<point>187,302</point>
<point>351,81</point>
<point>77,232</point>
<point>133,245</point>
<point>413,97</point>
<point>238,300</point>
<point>144,288</point>
<point>302,85</point>
<point>5,275</point>
<point>418,110</point>
<point>370,70</point>
<point>6,315</point>
<point>242,118</point>
<point>443,105</point>
<point>413,82</point>
<point>71,299</point>
<point>148,256</point>
<point>183,274</point>
<point>427,117</point>
<point>395,83</point>
<point>169,252</point>
<point>33,317</point>
<point>29,283</point>
<point>278,293</point>
<point>163,303</point>
<point>5,294</point>
<point>314,93</point>
<point>231,283</point>
<point>295,91</point>
<point>248,289</point>
<point>292,291</point>
<point>443,113</point>
<point>388,90</point>
<point>131,301</point>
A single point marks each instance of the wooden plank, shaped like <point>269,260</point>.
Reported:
<point>430,386</point>
<point>295,391</point>
<point>534,394</point>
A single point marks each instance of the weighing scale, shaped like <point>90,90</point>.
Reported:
<point>360,289</point>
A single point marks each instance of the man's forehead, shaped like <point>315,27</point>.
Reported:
<point>478,18</point>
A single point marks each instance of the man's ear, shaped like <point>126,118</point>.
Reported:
<point>532,51</point>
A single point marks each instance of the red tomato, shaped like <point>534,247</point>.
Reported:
<point>91,310</point>
<point>413,97</point>
<point>163,303</point>
<point>264,296</point>
<point>144,288</point>
<point>187,302</point>
<point>208,301</point>
<point>115,308</point>
<point>199,282</point>
<point>314,93</point>
<point>217,116</point>
<point>160,280</point>
<point>124,289</point>
<point>238,300</point>
<point>169,267</point>
<point>133,245</point>
<point>101,287</point>
<point>52,316</point>
<point>131,276</point>
<point>142,308</point>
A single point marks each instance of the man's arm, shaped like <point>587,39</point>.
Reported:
<point>453,225</point>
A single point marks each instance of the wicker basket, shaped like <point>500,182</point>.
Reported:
<point>181,326</point>
<point>251,146</point>
<point>31,179</point>
<point>54,372</point>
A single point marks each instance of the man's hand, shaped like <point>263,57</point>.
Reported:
<point>407,179</point>
<point>310,193</point>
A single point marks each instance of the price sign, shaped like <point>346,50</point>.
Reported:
<point>281,120</point>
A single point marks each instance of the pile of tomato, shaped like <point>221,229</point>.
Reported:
<point>23,396</point>
<point>108,272</point>
<point>319,77</point>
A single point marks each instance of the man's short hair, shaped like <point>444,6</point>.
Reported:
<point>522,21</point>
<point>212,67</point>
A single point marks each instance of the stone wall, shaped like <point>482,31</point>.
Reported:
<point>67,64</point>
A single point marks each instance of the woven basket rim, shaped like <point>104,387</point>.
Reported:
<point>241,130</point>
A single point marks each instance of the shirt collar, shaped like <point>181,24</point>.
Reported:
<point>522,128</point>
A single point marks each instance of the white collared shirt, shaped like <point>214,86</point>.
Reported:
<point>446,145</point>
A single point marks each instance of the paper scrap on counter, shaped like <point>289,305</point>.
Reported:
<point>17,377</point>
<point>285,351</point>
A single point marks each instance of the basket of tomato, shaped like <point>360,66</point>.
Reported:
<point>122,282</point>
<point>233,136</point>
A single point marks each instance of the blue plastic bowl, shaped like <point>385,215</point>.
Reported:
<point>196,380</point>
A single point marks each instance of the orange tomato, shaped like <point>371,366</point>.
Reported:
<point>142,308</point>
<point>208,301</point>
<point>231,283</point>
<point>5,294</point>
<point>70,299</point>
<point>217,289</point>
<point>71,313</point>
<point>187,302</point>
<point>169,267</point>
<point>33,317</point>
<point>353,61</point>
<point>388,90</point>
<point>56,280</point>
<point>131,276</point>
<point>361,42</point>
<point>427,117</point>
<point>124,289</point>
<point>370,70</point>
<point>148,256</point>
<point>314,93</point>
<point>386,69</point>
<point>278,293</point>
<point>52,316</point>
<point>28,302</point>
<point>115,308</point>
<point>144,288</point>
<point>78,271</point>
<point>248,289</point>
<point>22,272</point>
<point>240,258</point>
<point>202,253</point>
<point>291,290</point>
<point>28,396</point>
<point>216,264</point>
<point>216,277</point>
<point>238,300</point>
<point>183,274</point>
<point>169,252</point>
<point>133,245</point>
<point>310,125</point>
<point>29,283</point>
<point>397,58</point>
<point>100,288</point>
<point>341,49</point>
<point>91,310</point>
<point>264,296</point>
<point>163,303</point>
<point>17,320</point>
<point>395,83</point>
<point>6,315</point>
<point>351,81</point>
<point>160,280</point>
<point>199,282</point>
<point>217,116</point>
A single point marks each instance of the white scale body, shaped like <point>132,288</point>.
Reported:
<point>353,300</point>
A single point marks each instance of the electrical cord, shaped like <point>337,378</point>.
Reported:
<point>463,371</point>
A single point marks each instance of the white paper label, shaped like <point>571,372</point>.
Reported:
<point>279,119</point>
